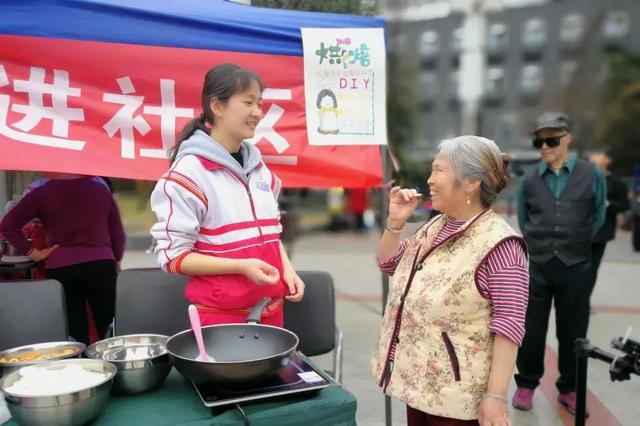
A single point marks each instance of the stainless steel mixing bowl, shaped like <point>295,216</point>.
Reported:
<point>69,409</point>
<point>142,360</point>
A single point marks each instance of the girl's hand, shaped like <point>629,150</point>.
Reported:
<point>38,255</point>
<point>402,203</point>
<point>295,285</point>
<point>260,272</point>
<point>493,412</point>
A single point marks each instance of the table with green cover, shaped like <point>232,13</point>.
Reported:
<point>177,403</point>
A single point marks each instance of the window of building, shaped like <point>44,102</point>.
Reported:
<point>429,86</point>
<point>429,45</point>
<point>495,88</point>
<point>523,3</point>
<point>531,80</point>
<point>456,41</point>
<point>616,27</point>
<point>603,73</point>
<point>454,84</point>
<point>497,40</point>
<point>534,35</point>
<point>572,29</point>
<point>568,71</point>
<point>399,43</point>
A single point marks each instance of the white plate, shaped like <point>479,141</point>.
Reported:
<point>14,259</point>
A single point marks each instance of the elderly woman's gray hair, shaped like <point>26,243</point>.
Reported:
<point>480,158</point>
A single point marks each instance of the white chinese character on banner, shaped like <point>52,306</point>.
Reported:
<point>266,127</point>
<point>124,121</point>
<point>168,114</point>
<point>35,111</point>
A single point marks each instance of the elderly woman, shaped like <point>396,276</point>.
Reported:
<point>458,295</point>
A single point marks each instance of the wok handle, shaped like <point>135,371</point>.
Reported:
<point>256,311</point>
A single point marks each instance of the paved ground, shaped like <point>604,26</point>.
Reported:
<point>349,258</point>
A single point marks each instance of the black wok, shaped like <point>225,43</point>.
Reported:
<point>245,354</point>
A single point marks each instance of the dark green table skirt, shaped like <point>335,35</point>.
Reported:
<point>177,403</point>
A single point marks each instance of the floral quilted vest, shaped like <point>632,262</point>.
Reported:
<point>443,346</point>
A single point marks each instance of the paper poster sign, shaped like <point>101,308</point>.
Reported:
<point>345,86</point>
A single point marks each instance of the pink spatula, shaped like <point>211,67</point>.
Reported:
<point>197,331</point>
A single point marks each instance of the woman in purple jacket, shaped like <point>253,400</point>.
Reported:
<point>85,241</point>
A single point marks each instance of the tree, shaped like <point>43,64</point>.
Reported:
<point>401,112</point>
<point>623,69</point>
<point>618,125</point>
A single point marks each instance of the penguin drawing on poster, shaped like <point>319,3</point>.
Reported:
<point>328,112</point>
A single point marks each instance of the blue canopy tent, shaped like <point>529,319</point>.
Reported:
<point>266,39</point>
<point>199,24</point>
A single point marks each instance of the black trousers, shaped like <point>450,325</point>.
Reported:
<point>94,282</point>
<point>567,287</point>
<point>597,251</point>
<point>635,235</point>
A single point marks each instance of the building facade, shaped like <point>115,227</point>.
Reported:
<point>537,55</point>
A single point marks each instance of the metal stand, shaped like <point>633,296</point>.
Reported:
<point>584,351</point>
<point>620,367</point>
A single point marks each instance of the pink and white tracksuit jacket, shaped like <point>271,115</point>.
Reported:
<point>207,203</point>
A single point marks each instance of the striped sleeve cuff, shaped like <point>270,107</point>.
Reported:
<point>512,330</point>
<point>389,266</point>
<point>174,266</point>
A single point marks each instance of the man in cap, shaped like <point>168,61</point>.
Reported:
<point>562,204</point>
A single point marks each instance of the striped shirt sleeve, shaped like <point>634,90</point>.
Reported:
<point>503,278</point>
<point>389,266</point>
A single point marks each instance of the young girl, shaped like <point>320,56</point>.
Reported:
<point>218,218</point>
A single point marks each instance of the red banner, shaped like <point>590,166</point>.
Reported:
<point>114,109</point>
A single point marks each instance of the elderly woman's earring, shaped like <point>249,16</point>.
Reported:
<point>468,200</point>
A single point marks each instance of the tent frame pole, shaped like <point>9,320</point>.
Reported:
<point>384,206</point>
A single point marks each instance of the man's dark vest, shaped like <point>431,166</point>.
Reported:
<point>561,226</point>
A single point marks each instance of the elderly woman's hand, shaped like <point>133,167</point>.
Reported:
<point>493,412</point>
<point>402,203</point>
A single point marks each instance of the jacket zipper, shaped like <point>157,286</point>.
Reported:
<point>253,212</point>
<point>247,187</point>
<point>388,367</point>
<point>453,358</point>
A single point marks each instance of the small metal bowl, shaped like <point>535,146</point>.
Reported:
<point>69,409</point>
<point>142,360</point>
<point>44,348</point>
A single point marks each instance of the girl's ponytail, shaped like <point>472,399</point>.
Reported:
<point>198,123</point>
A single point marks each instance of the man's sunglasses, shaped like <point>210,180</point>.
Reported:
<point>551,142</point>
